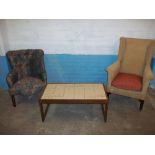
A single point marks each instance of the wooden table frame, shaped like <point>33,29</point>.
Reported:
<point>103,102</point>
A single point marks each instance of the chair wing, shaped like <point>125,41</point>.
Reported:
<point>113,70</point>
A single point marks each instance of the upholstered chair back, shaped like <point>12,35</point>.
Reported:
<point>135,54</point>
<point>29,62</point>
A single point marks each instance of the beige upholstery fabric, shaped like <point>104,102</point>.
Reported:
<point>134,57</point>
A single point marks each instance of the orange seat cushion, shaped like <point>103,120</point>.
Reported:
<point>127,81</point>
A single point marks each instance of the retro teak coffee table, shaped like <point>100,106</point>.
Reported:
<point>73,94</point>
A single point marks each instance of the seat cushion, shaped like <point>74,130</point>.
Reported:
<point>27,86</point>
<point>127,81</point>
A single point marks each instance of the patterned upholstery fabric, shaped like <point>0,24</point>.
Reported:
<point>128,82</point>
<point>25,64</point>
<point>27,86</point>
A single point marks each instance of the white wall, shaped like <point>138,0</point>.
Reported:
<point>1,45</point>
<point>74,36</point>
<point>1,41</point>
<point>4,43</point>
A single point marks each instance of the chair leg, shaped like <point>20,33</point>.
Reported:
<point>13,100</point>
<point>108,94</point>
<point>141,105</point>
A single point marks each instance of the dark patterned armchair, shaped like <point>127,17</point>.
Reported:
<point>27,72</point>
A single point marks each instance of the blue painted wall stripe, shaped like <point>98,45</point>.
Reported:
<point>77,68</point>
<point>153,69</point>
<point>3,72</point>
<point>71,68</point>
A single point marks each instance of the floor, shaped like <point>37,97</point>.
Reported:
<point>123,117</point>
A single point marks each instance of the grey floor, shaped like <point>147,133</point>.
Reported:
<point>123,117</point>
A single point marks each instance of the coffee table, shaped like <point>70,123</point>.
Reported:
<point>73,94</point>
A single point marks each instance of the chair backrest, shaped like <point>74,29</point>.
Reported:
<point>134,54</point>
<point>29,62</point>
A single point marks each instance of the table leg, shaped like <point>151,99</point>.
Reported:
<point>46,110</point>
<point>105,110</point>
<point>43,113</point>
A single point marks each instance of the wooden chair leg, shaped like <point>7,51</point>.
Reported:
<point>13,100</point>
<point>108,94</point>
<point>141,104</point>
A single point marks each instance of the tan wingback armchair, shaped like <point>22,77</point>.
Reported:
<point>131,73</point>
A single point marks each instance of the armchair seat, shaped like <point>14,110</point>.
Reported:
<point>127,81</point>
<point>27,86</point>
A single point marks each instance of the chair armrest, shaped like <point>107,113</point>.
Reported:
<point>11,79</point>
<point>114,67</point>
<point>44,76</point>
<point>148,75</point>
<point>113,70</point>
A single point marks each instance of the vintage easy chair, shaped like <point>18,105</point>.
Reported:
<point>131,73</point>
<point>27,73</point>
